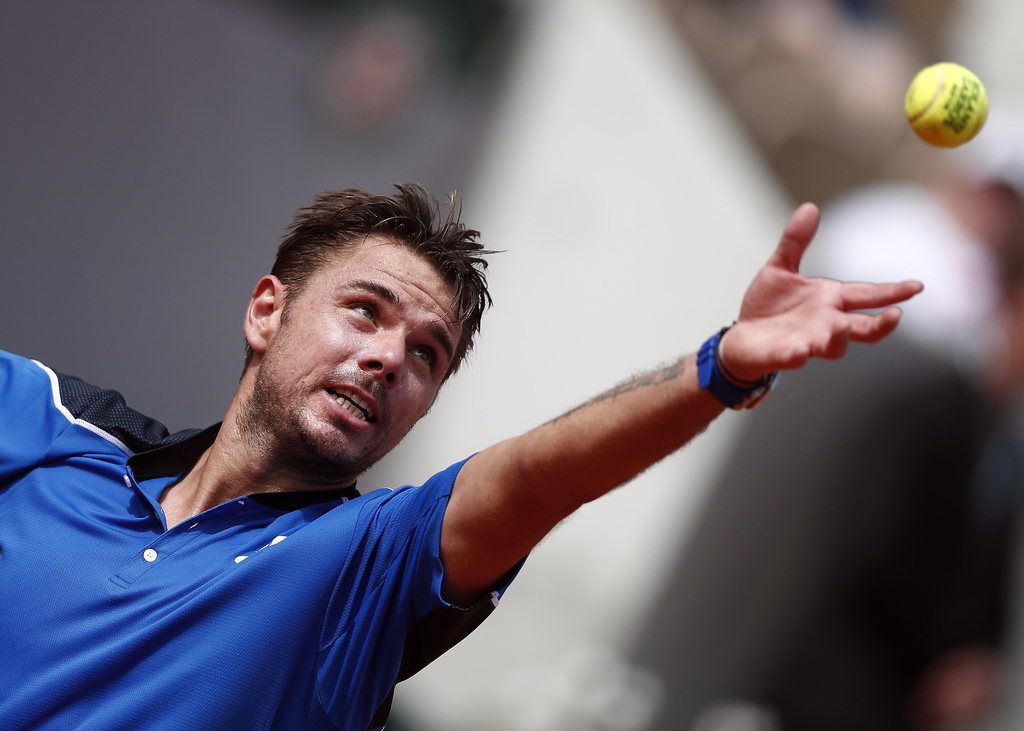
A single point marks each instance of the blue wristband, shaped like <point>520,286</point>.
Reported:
<point>710,378</point>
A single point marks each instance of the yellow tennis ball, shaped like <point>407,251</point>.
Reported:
<point>946,105</point>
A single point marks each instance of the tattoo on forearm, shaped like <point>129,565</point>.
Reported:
<point>645,380</point>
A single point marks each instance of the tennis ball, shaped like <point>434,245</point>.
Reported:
<point>946,105</point>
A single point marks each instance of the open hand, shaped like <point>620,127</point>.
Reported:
<point>787,318</point>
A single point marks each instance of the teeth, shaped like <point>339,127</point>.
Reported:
<point>353,404</point>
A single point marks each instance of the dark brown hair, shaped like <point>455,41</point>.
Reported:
<point>340,220</point>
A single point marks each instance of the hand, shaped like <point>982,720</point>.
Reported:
<point>787,318</point>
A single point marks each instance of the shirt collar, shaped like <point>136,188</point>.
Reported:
<point>179,456</point>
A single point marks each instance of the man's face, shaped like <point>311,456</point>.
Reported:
<point>357,359</point>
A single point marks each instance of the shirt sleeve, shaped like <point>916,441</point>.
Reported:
<point>31,417</point>
<point>39,406</point>
<point>388,617</point>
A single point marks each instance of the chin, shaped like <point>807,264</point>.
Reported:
<point>330,451</point>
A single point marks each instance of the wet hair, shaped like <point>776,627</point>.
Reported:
<point>338,221</point>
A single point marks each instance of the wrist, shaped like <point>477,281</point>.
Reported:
<point>728,389</point>
<point>726,373</point>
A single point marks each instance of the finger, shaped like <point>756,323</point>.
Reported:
<point>865,296</point>
<point>872,328</point>
<point>796,237</point>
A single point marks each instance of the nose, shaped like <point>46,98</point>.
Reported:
<point>384,358</point>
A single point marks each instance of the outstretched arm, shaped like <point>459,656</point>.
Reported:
<point>509,496</point>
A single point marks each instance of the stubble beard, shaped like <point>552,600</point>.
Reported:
<point>273,425</point>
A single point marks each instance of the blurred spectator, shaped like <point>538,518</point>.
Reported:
<point>852,575</point>
<point>961,234</point>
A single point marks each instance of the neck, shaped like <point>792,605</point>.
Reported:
<point>236,465</point>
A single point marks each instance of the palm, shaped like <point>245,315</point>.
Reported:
<point>787,318</point>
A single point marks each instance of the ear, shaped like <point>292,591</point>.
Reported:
<point>263,316</point>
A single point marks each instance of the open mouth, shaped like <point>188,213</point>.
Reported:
<point>352,403</point>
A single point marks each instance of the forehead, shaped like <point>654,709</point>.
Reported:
<point>399,268</point>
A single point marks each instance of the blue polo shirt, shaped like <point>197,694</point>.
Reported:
<point>284,611</point>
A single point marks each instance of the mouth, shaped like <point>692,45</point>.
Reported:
<point>351,403</point>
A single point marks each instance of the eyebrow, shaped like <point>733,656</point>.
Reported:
<point>368,285</point>
<point>435,328</point>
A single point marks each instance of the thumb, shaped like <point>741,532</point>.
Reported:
<point>796,237</point>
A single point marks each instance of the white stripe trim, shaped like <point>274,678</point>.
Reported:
<point>55,390</point>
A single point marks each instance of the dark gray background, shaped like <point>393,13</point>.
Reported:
<point>151,156</point>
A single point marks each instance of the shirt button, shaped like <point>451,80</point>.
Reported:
<point>150,555</point>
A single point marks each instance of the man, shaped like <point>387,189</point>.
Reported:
<point>234,578</point>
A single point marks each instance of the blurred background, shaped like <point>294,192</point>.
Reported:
<point>635,160</point>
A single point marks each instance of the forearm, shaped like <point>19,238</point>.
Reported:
<point>509,496</point>
<point>613,437</point>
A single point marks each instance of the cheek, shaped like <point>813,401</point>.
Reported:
<point>411,399</point>
<point>295,361</point>
<point>322,339</point>
<point>425,400</point>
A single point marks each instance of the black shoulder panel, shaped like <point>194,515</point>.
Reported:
<point>107,410</point>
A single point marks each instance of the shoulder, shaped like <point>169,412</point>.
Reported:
<point>28,386</point>
<point>414,499</point>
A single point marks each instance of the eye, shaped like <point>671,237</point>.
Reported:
<point>365,310</point>
<point>424,353</point>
